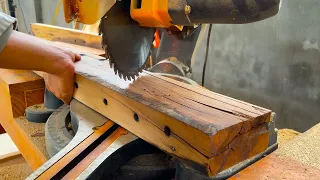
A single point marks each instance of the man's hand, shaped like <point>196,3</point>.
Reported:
<point>61,83</point>
<point>30,53</point>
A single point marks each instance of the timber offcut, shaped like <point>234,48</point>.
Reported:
<point>206,130</point>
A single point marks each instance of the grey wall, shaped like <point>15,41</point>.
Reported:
<point>43,11</point>
<point>273,63</point>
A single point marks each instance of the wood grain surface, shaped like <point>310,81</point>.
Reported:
<point>192,123</point>
<point>78,37</point>
<point>209,131</point>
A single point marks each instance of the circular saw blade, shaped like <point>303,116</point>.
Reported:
<point>127,44</point>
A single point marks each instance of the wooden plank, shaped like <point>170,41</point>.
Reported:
<point>197,125</point>
<point>82,49</point>
<point>12,103</point>
<point>78,37</point>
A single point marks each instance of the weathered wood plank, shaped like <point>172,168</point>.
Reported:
<point>73,36</point>
<point>205,128</point>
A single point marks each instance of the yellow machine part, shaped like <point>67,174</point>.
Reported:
<point>151,13</point>
<point>86,11</point>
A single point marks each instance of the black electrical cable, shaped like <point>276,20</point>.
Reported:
<point>207,54</point>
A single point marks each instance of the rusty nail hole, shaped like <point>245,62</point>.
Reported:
<point>105,101</point>
<point>136,117</point>
<point>76,85</point>
<point>167,131</point>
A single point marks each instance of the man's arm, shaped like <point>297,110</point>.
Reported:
<point>22,51</point>
<point>30,53</point>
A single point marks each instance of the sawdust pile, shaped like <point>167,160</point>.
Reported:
<point>15,169</point>
<point>286,135</point>
<point>36,133</point>
<point>305,148</point>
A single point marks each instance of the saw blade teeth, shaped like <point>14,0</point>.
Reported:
<point>130,66</point>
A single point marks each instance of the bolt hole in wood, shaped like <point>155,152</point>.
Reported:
<point>76,85</point>
<point>136,117</point>
<point>105,101</point>
<point>167,131</point>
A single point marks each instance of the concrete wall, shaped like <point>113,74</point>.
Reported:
<point>274,63</point>
<point>31,11</point>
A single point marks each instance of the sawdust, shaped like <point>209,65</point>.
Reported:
<point>14,169</point>
<point>35,132</point>
<point>304,148</point>
<point>39,106</point>
<point>286,135</point>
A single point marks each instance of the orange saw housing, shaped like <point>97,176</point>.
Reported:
<point>151,13</point>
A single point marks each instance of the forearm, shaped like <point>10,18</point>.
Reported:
<point>26,52</point>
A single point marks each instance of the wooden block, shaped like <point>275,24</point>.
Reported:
<point>15,88</point>
<point>25,88</point>
<point>207,130</point>
<point>54,33</point>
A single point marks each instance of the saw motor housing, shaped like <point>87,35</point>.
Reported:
<point>134,23</point>
<point>168,13</point>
